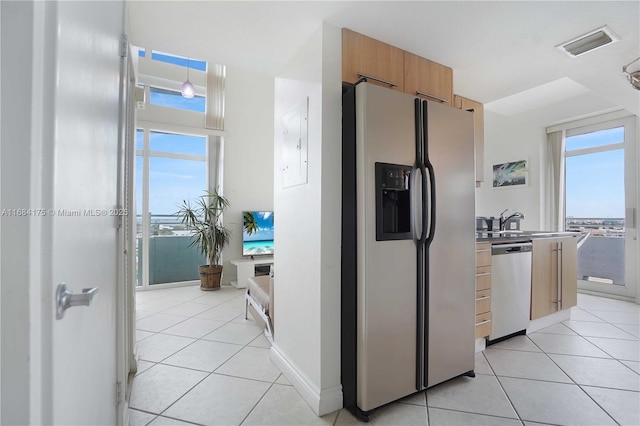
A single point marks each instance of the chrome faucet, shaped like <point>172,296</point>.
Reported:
<point>504,221</point>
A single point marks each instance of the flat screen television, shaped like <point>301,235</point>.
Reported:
<point>257,233</point>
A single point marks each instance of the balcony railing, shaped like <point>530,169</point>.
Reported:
<point>170,257</point>
<point>601,257</point>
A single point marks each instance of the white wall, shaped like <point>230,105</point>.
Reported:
<point>248,153</point>
<point>307,232</point>
<point>519,137</point>
<point>512,139</point>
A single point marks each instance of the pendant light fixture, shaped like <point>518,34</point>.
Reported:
<point>632,76</point>
<point>187,89</point>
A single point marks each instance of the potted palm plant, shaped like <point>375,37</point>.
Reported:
<point>209,234</point>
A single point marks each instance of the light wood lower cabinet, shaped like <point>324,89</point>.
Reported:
<point>553,275</point>
<point>483,289</point>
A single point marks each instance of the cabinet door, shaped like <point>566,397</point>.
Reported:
<point>544,278</point>
<point>362,55</point>
<point>478,130</point>
<point>428,79</point>
<point>569,274</point>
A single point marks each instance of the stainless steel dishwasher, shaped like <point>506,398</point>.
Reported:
<point>510,288</point>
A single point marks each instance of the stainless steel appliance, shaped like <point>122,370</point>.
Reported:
<point>408,247</point>
<point>510,289</point>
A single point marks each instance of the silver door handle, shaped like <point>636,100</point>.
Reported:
<point>65,299</point>
<point>389,83</point>
<point>426,95</point>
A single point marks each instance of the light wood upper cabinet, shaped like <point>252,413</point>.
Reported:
<point>428,79</point>
<point>553,275</point>
<point>362,55</point>
<point>478,130</point>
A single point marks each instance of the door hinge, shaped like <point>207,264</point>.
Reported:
<point>118,393</point>
<point>124,45</point>
<point>119,216</point>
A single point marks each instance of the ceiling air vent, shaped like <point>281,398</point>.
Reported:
<point>588,42</point>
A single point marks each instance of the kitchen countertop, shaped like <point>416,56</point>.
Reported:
<point>512,237</point>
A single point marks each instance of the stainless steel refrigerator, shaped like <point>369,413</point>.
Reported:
<point>408,246</point>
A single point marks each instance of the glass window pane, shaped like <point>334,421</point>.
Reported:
<point>194,64</point>
<point>171,181</point>
<point>595,185</point>
<point>172,99</point>
<point>141,52</point>
<point>595,203</point>
<point>139,140</point>
<point>179,144</point>
<point>599,138</point>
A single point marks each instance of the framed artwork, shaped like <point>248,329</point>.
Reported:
<point>515,173</point>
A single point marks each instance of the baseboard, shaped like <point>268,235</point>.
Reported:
<point>323,401</point>
<point>548,320</point>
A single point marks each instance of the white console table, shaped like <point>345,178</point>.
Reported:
<point>246,268</point>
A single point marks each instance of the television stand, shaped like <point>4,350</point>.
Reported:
<point>250,267</point>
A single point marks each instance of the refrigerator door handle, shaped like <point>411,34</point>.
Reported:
<point>431,217</point>
<point>423,200</point>
<point>432,176</point>
<point>419,164</point>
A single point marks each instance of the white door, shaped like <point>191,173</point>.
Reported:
<point>78,239</point>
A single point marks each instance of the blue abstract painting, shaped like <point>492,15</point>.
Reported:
<point>510,174</point>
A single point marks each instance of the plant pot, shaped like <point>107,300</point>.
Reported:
<point>210,276</point>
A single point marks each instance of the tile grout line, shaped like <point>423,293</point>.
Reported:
<point>480,414</point>
<point>195,339</point>
<point>631,336</point>
<point>209,374</point>
<point>258,402</point>
<point>504,391</point>
<point>576,383</point>
<point>426,404</point>
<point>607,322</point>
<point>502,387</point>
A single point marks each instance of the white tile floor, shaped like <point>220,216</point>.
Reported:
<point>202,363</point>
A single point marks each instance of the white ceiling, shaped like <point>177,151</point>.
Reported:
<point>503,53</point>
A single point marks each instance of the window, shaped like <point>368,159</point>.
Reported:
<point>177,159</point>
<point>170,168</point>
<point>174,99</point>
<point>179,60</point>
<point>595,202</point>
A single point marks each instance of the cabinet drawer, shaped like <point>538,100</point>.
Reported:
<point>483,293</point>
<point>483,330</point>
<point>480,318</point>
<point>483,254</point>
<point>483,305</point>
<point>483,278</point>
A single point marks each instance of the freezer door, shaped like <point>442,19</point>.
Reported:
<point>451,254</point>
<point>386,270</point>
